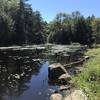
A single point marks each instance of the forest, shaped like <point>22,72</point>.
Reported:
<point>41,59</point>
<point>20,24</point>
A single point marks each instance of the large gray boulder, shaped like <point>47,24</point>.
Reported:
<point>56,70</point>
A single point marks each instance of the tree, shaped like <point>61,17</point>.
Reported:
<point>37,29</point>
<point>66,29</point>
<point>96,29</point>
<point>28,25</point>
<point>19,24</point>
<point>60,29</point>
<point>6,23</point>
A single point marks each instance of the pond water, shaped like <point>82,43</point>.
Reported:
<point>24,73</point>
<point>24,76</point>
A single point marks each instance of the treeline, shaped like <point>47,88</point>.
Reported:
<point>69,28</point>
<point>19,25</point>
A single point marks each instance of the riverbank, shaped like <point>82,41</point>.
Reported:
<point>81,73</point>
<point>89,79</point>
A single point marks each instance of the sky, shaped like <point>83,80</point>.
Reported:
<point>49,8</point>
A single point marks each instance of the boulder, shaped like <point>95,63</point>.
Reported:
<point>55,71</point>
<point>76,95</point>
<point>64,87</point>
<point>56,96</point>
<point>64,78</point>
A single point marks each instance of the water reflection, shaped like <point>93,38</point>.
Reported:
<point>24,76</point>
<point>16,70</point>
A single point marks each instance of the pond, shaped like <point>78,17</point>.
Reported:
<point>24,74</point>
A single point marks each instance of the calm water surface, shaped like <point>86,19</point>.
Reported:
<point>23,77</point>
<point>24,73</point>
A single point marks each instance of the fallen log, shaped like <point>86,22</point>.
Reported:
<point>74,63</point>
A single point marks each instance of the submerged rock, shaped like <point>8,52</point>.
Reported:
<point>40,49</point>
<point>17,76</point>
<point>36,60</point>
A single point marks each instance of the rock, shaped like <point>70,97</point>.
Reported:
<point>17,76</point>
<point>76,95</point>
<point>65,77</point>
<point>52,90</point>
<point>56,96</point>
<point>63,87</point>
<point>40,49</point>
<point>22,74</point>
<point>86,57</point>
<point>56,70</point>
<point>36,60</point>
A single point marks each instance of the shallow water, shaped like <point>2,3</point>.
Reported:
<point>23,76</point>
<point>24,73</point>
<point>37,87</point>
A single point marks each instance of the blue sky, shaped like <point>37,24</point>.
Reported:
<point>49,8</point>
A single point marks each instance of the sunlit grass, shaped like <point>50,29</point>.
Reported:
<point>89,78</point>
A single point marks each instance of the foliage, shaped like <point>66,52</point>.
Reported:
<point>19,24</point>
<point>60,29</point>
<point>89,79</point>
<point>98,30</point>
<point>71,28</point>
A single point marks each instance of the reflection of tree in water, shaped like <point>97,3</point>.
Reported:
<point>16,70</point>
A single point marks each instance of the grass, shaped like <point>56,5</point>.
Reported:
<point>89,79</point>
